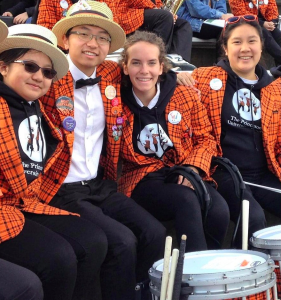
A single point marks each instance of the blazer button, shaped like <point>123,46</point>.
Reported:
<point>56,181</point>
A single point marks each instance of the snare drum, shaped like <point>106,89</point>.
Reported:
<point>270,239</point>
<point>222,274</point>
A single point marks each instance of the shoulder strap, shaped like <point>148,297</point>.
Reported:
<point>239,184</point>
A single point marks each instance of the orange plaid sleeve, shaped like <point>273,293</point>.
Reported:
<point>130,14</point>
<point>50,12</point>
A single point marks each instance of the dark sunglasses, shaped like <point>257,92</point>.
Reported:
<point>32,67</point>
<point>247,18</point>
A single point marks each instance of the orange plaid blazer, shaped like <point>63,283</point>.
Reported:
<point>111,75</point>
<point>241,7</point>
<point>50,11</point>
<point>130,14</point>
<point>15,194</point>
<point>270,113</point>
<point>193,143</point>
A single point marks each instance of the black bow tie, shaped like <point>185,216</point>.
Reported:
<point>90,81</point>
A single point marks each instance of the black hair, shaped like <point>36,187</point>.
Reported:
<point>226,32</point>
<point>9,56</point>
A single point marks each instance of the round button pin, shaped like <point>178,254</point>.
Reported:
<point>174,117</point>
<point>63,4</point>
<point>115,110</point>
<point>110,92</point>
<point>64,103</point>
<point>115,102</point>
<point>119,121</point>
<point>69,123</point>
<point>251,5</point>
<point>216,84</point>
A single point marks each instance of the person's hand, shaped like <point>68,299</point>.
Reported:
<point>186,182</point>
<point>226,16</point>
<point>20,19</point>
<point>270,26</point>
<point>175,18</point>
<point>7,14</point>
<point>185,78</point>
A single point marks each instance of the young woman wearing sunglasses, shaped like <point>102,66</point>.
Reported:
<point>63,250</point>
<point>267,14</point>
<point>244,107</point>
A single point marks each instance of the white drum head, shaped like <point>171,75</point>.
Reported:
<point>213,262</point>
<point>268,238</point>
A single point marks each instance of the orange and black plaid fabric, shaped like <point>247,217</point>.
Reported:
<point>111,76</point>
<point>193,143</point>
<point>270,113</point>
<point>15,194</point>
<point>130,14</point>
<point>241,7</point>
<point>278,277</point>
<point>50,11</point>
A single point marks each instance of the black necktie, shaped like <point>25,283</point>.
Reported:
<point>90,81</point>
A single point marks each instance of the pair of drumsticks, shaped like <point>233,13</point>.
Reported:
<point>171,281</point>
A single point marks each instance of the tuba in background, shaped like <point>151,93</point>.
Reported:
<point>172,5</point>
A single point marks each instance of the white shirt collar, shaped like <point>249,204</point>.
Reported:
<point>153,101</point>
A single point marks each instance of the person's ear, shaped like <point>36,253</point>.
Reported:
<point>3,68</point>
<point>161,68</point>
<point>225,50</point>
<point>65,40</point>
<point>125,69</point>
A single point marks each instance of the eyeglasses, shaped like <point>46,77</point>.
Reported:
<point>32,68</point>
<point>247,18</point>
<point>101,40</point>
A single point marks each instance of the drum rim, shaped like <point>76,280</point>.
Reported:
<point>223,277</point>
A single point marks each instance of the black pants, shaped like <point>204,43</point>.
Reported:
<point>65,252</point>
<point>259,198</point>
<point>18,283</point>
<point>135,238</point>
<point>272,43</point>
<point>177,37</point>
<point>168,201</point>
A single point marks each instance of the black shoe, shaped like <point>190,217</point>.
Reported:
<point>178,62</point>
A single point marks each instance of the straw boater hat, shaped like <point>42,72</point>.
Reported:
<point>36,37</point>
<point>91,13</point>
<point>3,31</point>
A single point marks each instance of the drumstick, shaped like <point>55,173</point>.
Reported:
<point>245,224</point>
<point>178,276</point>
<point>264,187</point>
<point>165,274</point>
<point>175,255</point>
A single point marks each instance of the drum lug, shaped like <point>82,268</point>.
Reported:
<point>224,276</point>
<point>254,271</point>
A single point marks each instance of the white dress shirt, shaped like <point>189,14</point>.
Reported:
<point>88,133</point>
